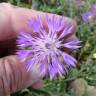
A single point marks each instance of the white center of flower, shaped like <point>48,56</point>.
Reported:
<point>50,46</point>
<point>46,45</point>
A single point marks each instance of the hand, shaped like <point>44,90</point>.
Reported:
<point>13,76</point>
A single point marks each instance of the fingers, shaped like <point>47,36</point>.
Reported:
<point>38,84</point>
<point>6,11</point>
<point>16,20</point>
<point>13,76</point>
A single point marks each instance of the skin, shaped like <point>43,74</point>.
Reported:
<point>13,76</point>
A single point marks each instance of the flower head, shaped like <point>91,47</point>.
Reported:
<point>47,45</point>
<point>90,15</point>
<point>93,10</point>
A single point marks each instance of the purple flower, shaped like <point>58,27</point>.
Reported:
<point>93,10</point>
<point>88,18</point>
<point>90,15</point>
<point>48,46</point>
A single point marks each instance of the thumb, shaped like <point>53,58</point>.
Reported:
<point>15,19</point>
<point>13,76</point>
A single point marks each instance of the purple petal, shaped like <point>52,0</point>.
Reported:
<point>57,65</point>
<point>68,59</point>
<point>35,61</point>
<point>72,44</point>
<point>58,24</point>
<point>35,25</point>
<point>24,38</point>
<point>51,24</point>
<point>43,65</point>
<point>43,69</point>
<point>52,71</point>
<point>67,30</point>
<point>23,54</point>
<point>30,64</point>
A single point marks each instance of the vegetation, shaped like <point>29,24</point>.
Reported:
<point>86,56</point>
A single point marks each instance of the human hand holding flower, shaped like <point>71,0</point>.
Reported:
<point>13,76</point>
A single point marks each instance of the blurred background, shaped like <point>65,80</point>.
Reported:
<point>80,81</point>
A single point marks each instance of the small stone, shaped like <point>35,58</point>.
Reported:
<point>91,91</point>
<point>78,87</point>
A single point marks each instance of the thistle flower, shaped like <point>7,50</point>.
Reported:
<point>93,10</point>
<point>90,15</point>
<point>47,44</point>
